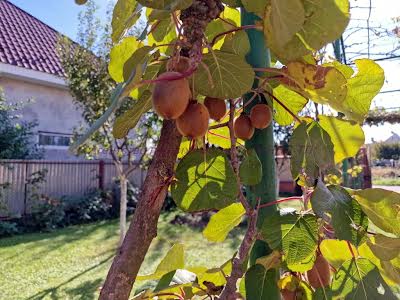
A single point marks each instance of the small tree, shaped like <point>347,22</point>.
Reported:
<point>91,87</point>
<point>17,139</point>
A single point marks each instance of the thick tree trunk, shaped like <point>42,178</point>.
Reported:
<point>123,184</point>
<point>143,228</point>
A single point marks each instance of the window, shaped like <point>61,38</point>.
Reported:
<point>54,139</point>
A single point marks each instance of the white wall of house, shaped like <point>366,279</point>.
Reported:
<point>53,106</point>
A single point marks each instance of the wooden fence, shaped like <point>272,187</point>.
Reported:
<point>63,178</point>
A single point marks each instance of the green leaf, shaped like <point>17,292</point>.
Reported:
<point>221,136</point>
<point>257,7</point>
<point>382,207</point>
<point>130,118</point>
<point>125,15</point>
<point>347,218</point>
<point>260,284</point>
<point>223,75</point>
<point>325,21</point>
<point>336,252</point>
<point>295,235</point>
<point>270,261</point>
<point>347,136</point>
<point>298,144</point>
<point>292,100</point>
<point>223,222</point>
<point>172,261</point>
<point>361,89</point>
<point>120,54</point>
<point>237,43</point>
<point>137,58</point>
<point>385,248</point>
<point>322,294</point>
<point>360,279</point>
<point>250,169</point>
<point>204,180</point>
<point>286,18</point>
<point>169,5</point>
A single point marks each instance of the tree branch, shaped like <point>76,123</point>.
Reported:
<point>143,228</point>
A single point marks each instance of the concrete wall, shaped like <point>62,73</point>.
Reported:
<point>53,108</point>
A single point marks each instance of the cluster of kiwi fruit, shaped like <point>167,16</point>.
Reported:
<point>172,100</point>
<point>260,117</point>
<point>318,277</point>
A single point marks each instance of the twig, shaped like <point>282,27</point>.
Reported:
<point>245,27</point>
<point>218,125</point>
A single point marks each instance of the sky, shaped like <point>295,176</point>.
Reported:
<point>62,15</point>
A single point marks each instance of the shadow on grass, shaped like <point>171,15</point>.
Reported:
<point>85,290</point>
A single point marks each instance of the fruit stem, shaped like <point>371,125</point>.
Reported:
<point>219,125</point>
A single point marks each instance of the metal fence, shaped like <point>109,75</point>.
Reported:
<point>63,178</point>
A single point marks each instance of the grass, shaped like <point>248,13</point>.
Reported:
<point>72,263</point>
<point>385,176</point>
<point>386,181</point>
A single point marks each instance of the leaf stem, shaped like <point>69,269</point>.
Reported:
<point>284,106</point>
<point>245,27</point>
<point>351,249</point>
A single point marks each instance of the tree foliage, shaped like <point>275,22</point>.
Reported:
<point>208,35</point>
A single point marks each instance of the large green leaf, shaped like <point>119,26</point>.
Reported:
<point>347,136</point>
<point>237,43</point>
<point>260,284</point>
<point>257,7</point>
<point>361,89</point>
<point>250,169</point>
<point>298,144</point>
<point>325,21</point>
<point>204,180</point>
<point>223,222</point>
<point>284,19</point>
<point>223,75</point>
<point>169,5</point>
<point>125,15</point>
<point>292,100</point>
<point>120,54</point>
<point>172,261</point>
<point>130,118</point>
<point>382,208</point>
<point>296,235</point>
<point>359,278</point>
<point>347,218</point>
<point>336,252</point>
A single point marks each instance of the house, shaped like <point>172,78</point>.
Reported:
<point>31,69</point>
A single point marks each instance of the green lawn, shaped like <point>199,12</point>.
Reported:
<point>386,181</point>
<point>72,263</point>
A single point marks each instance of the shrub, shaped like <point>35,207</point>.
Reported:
<point>388,151</point>
<point>8,228</point>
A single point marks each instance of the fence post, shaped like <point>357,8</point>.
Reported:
<point>26,187</point>
<point>101,174</point>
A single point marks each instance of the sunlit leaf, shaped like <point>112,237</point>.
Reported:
<point>125,15</point>
<point>347,137</point>
<point>260,283</point>
<point>172,261</point>
<point>223,75</point>
<point>292,100</point>
<point>359,278</point>
<point>223,222</point>
<point>385,248</point>
<point>382,208</point>
<point>336,252</point>
<point>204,180</point>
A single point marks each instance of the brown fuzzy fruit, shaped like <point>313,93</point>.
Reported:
<point>181,64</point>
<point>171,97</point>
<point>193,123</point>
<point>243,128</point>
<point>319,275</point>
<point>288,295</point>
<point>216,107</point>
<point>80,2</point>
<point>261,116</point>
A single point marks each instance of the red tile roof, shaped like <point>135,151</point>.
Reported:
<point>27,42</point>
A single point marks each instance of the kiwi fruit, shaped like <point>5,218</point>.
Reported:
<point>319,275</point>
<point>216,107</point>
<point>193,123</point>
<point>80,2</point>
<point>288,295</point>
<point>179,64</point>
<point>171,97</point>
<point>243,128</point>
<point>261,116</point>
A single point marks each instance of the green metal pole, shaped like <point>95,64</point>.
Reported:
<point>262,141</point>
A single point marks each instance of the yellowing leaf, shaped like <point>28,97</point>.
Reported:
<point>382,207</point>
<point>336,252</point>
<point>292,100</point>
<point>223,222</point>
<point>347,137</point>
<point>385,248</point>
<point>172,261</point>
